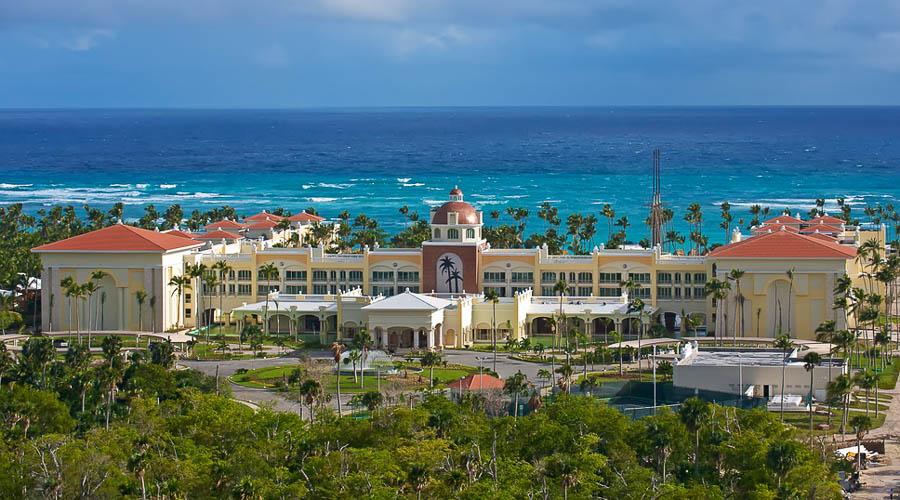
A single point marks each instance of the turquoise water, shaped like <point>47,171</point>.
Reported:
<point>376,160</point>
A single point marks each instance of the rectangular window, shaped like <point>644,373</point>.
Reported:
<point>585,277</point>
<point>663,278</point>
<point>642,293</point>
<point>585,291</point>
<point>687,278</point>
<point>494,277</point>
<point>677,278</point>
<point>522,277</point>
<point>546,291</point>
<point>611,278</point>
<point>610,292</point>
<point>408,276</point>
<point>677,293</point>
<point>320,289</point>
<point>548,277</point>
<point>663,293</point>
<point>383,276</point>
<point>387,291</point>
<point>265,289</point>
<point>231,289</point>
<point>243,289</point>
<point>333,275</point>
<point>356,276</point>
<point>343,276</point>
<point>187,297</point>
<point>332,289</point>
<point>698,293</point>
<point>296,289</point>
<point>687,292</point>
<point>187,313</point>
<point>244,275</point>
<point>501,291</point>
<point>295,275</point>
<point>699,278</point>
<point>231,275</point>
<point>642,278</point>
<point>320,275</point>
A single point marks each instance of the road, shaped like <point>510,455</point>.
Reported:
<point>505,367</point>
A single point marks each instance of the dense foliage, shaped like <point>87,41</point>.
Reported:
<point>111,428</point>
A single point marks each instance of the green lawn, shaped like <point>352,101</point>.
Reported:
<point>271,377</point>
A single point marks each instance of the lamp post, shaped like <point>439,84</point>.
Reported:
<point>654,379</point>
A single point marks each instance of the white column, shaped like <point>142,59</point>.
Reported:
<point>123,320</point>
<point>384,338</point>
<point>440,337</point>
<point>429,338</point>
<point>415,339</point>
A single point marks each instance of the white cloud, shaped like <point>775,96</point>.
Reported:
<point>272,56</point>
<point>408,41</point>
<point>88,40</point>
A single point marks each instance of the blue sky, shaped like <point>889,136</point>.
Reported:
<point>304,53</point>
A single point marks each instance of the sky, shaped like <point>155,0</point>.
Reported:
<point>348,53</point>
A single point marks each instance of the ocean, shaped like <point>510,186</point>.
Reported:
<point>373,161</point>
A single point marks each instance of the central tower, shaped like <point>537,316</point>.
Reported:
<point>450,258</point>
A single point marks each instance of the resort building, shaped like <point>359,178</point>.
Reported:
<point>433,296</point>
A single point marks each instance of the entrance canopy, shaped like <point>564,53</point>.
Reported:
<point>407,320</point>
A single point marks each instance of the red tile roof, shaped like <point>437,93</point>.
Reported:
<point>224,224</point>
<point>823,237</point>
<point>263,224</point>
<point>784,219</point>
<point>775,227</point>
<point>822,228</point>
<point>784,244</point>
<point>119,238</point>
<point>262,216</point>
<point>826,219</point>
<point>305,217</point>
<point>477,382</point>
<point>179,232</point>
<point>217,235</point>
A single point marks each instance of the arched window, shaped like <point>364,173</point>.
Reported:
<point>437,234</point>
<point>453,234</point>
<point>470,233</point>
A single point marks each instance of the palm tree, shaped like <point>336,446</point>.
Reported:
<point>310,391</point>
<point>867,380</point>
<point>141,297</point>
<point>89,289</point>
<point>839,390</point>
<point>718,290</point>
<point>430,359</point>
<point>565,372</point>
<point>810,361</point>
<point>637,305</point>
<point>491,296</point>
<point>693,412</point>
<point>96,277</point>
<point>198,271</point>
<point>66,285</point>
<point>336,349</point>
<point>210,286</point>
<point>610,215</point>
<point>180,284</point>
<point>516,385</point>
<point>861,425</point>
<point>544,374</point>
<point>784,343</point>
<point>736,275</point>
<point>560,289</point>
<point>268,272</point>
<point>224,269</point>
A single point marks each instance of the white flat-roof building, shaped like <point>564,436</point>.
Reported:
<point>753,372</point>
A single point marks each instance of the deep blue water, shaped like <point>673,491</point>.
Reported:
<point>375,160</point>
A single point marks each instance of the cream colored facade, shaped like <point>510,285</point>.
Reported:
<point>342,285</point>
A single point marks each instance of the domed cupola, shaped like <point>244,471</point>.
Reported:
<point>456,220</point>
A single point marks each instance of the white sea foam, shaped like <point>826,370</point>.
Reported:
<point>492,202</point>
<point>515,196</point>
<point>413,184</point>
<point>4,185</point>
<point>317,199</point>
<point>168,186</point>
<point>326,185</point>
<point>434,202</point>
<point>403,179</point>
<point>484,196</point>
